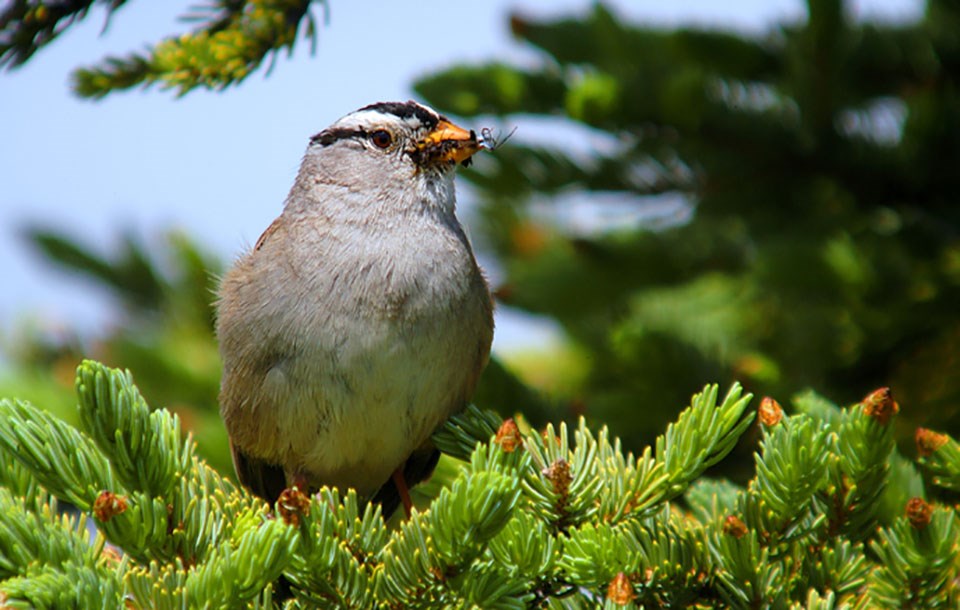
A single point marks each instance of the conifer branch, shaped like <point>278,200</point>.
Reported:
<point>702,435</point>
<point>918,557</point>
<point>233,40</point>
<point>144,447</point>
<point>548,518</point>
<point>28,25</point>
<point>940,456</point>
<point>63,460</point>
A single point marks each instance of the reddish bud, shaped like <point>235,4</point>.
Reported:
<point>880,405</point>
<point>508,436</point>
<point>108,505</point>
<point>528,239</point>
<point>559,476</point>
<point>518,25</point>
<point>292,504</point>
<point>770,412</point>
<point>620,591</point>
<point>110,555</point>
<point>546,438</point>
<point>929,441</point>
<point>919,513</point>
<point>577,407</point>
<point>504,292</point>
<point>733,526</point>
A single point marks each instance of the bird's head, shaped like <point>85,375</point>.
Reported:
<point>384,157</point>
<point>397,136</point>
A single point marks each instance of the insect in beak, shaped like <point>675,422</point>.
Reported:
<point>447,142</point>
<point>492,142</point>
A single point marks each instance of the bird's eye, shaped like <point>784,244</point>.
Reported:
<point>381,138</point>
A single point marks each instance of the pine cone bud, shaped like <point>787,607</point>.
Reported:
<point>548,438</point>
<point>929,441</point>
<point>528,239</point>
<point>108,505</point>
<point>770,412</point>
<point>733,526</point>
<point>292,504</point>
<point>919,513</point>
<point>620,591</point>
<point>518,25</point>
<point>559,476</point>
<point>880,405</point>
<point>110,555</point>
<point>508,436</point>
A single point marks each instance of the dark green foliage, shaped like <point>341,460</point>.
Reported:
<point>561,518</point>
<point>940,456</point>
<point>918,563</point>
<point>797,192</point>
<point>131,275</point>
<point>791,466</point>
<point>165,337</point>
<point>28,25</point>
<point>231,41</point>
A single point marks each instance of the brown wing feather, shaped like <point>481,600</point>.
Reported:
<point>266,234</point>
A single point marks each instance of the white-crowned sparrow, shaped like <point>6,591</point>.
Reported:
<point>360,320</point>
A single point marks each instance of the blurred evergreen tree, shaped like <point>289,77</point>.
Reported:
<point>164,332</point>
<point>809,176</point>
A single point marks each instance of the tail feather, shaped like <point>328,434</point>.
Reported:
<point>419,466</point>
<point>268,480</point>
<point>262,478</point>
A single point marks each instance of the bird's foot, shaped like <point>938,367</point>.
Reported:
<point>402,489</point>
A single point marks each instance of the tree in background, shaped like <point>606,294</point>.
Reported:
<point>164,332</point>
<point>812,180</point>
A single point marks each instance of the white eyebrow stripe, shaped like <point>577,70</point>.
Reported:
<point>367,119</point>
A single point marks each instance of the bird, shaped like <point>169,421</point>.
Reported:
<point>360,320</point>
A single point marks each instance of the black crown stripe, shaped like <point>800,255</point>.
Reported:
<point>405,110</point>
<point>402,110</point>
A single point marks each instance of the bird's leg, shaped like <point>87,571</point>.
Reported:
<point>300,482</point>
<point>401,484</point>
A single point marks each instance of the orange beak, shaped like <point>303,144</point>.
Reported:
<point>447,142</point>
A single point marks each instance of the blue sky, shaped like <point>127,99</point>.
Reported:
<point>219,165</point>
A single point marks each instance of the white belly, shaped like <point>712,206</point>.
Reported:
<point>361,396</point>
